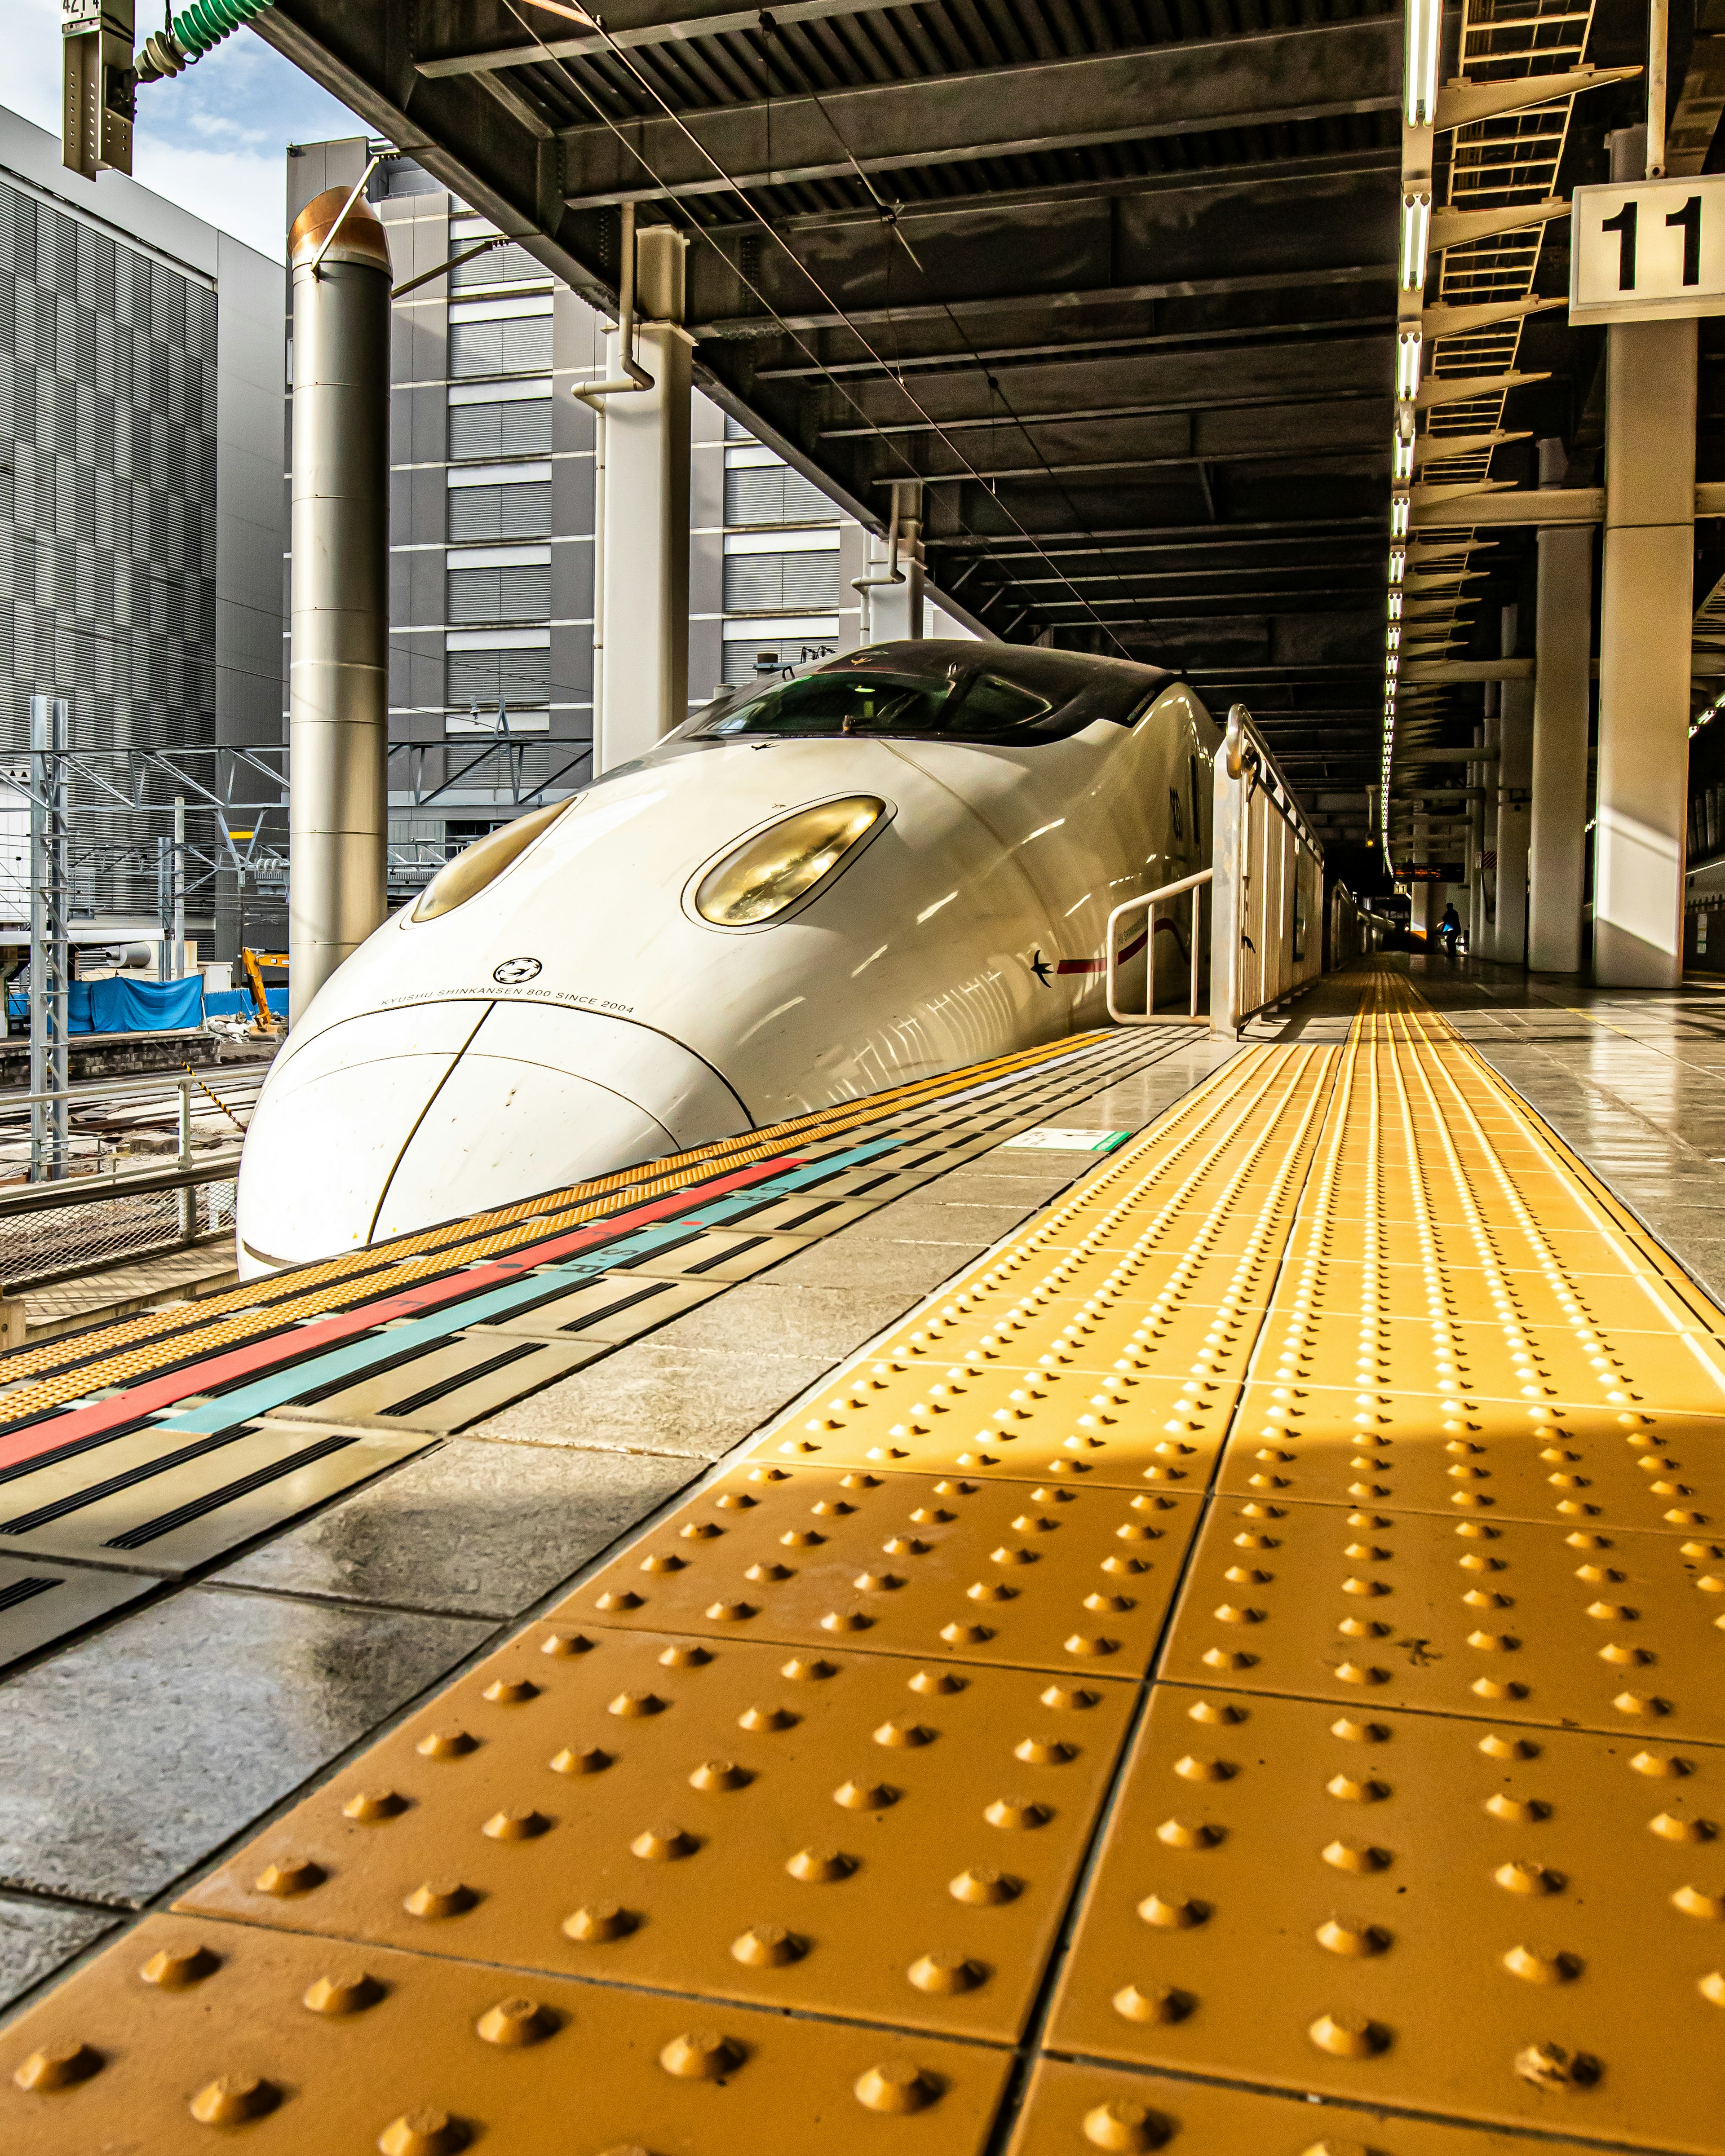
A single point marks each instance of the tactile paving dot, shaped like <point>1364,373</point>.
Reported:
<point>1043,1575</point>
<point>1617,1466</point>
<point>192,2035</point>
<point>1514,1925</point>
<point>849,1833</point>
<point>1587,1627</point>
<point>1071,2110</point>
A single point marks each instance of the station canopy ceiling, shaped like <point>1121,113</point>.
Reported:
<point>1116,279</point>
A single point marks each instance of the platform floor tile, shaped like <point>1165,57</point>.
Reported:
<point>1071,2110</point>
<point>834,1832</point>
<point>194,2036</point>
<point>41,1601</point>
<point>1521,1927</point>
<point>1616,1467</point>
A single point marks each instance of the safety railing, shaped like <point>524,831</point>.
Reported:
<point>1116,959</point>
<point>133,1168</point>
<point>1266,884</point>
<point>1269,866</point>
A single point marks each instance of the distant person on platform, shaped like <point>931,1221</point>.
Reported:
<point>1449,929</point>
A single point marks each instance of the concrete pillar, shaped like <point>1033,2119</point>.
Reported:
<point>1476,847</point>
<point>1515,783</point>
<point>1491,731</point>
<point>1646,606</point>
<point>1562,699</point>
<point>338,664</point>
<point>643,520</point>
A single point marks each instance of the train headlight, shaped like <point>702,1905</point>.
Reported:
<point>486,858</point>
<point>776,867</point>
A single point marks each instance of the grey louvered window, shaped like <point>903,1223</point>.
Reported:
<point>760,584</point>
<point>514,594</point>
<point>773,494</point>
<point>520,428</point>
<point>479,513</point>
<point>483,677</point>
<point>520,345</point>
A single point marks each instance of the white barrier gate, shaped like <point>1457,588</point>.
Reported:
<point>1265,882</point>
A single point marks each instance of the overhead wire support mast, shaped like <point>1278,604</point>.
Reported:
<point>50,905</point>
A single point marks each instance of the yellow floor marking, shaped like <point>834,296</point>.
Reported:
<point>1423,1820</point>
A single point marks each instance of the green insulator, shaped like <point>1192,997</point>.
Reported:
<point>205,23</point>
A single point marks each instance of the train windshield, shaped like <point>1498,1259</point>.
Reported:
<point>973,707</point>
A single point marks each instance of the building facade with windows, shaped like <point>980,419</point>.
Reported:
<point>142,519</point>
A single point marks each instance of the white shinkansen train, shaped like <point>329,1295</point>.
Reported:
<point>897,863</point>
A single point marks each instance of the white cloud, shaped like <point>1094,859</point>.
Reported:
<point>213,140</point>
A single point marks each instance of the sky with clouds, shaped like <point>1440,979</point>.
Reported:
<point>213,139</point>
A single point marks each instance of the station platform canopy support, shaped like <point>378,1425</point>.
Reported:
<point>1105,330</point>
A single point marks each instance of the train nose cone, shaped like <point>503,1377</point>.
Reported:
<point>391,1122</point>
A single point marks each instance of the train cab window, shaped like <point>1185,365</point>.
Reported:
<point>973,707</point>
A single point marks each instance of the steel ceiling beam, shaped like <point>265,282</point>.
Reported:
<point>1325,71</point>
<point>631,25</point>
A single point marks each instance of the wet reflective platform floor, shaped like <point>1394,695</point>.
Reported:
<point>1236,1665</point>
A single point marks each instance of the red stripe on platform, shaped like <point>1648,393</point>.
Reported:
<point>306,1340</point>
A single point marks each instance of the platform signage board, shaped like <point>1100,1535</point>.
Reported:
<point>1649,251</point>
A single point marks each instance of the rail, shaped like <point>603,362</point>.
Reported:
<point>1152,899</point>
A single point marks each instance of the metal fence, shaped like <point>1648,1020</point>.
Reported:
<point>136,1167</point>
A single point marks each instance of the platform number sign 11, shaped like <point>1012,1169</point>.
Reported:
<point>1648,252</point>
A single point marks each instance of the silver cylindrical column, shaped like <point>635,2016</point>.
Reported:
<point>338,664</point>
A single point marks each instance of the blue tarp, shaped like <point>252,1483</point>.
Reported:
<point>122,1005</point>
<point>226,1003</point>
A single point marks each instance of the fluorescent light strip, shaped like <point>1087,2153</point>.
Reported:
<point>1424,33</point>
<point>1416,241</point>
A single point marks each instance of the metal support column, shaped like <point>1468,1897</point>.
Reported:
<point>50,901</point>
<point>1515,785</point>
<point>1562,694</point>
<point>643,526</point>
<point>338,676</point>
<point>176,889</point>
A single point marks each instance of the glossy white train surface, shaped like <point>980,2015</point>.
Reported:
<point>894,864</point>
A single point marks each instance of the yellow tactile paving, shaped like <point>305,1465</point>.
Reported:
<point>1604,1630</point>
<point>1071,2110</point>
<point>1559,1894</point>
<point>844,1832</point>
<point>1436,1454</point>
<point>1136,1425</point>
<point>1440,1845</point>
<point>1045,1576</point>
<point>187,2037</point>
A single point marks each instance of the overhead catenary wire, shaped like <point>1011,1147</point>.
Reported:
<point>584,95</point>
